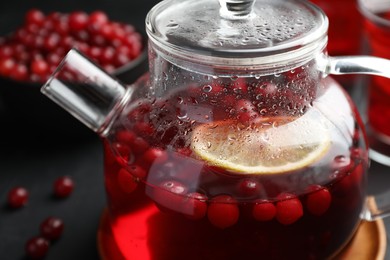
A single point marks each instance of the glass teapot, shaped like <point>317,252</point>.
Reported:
<point>237,144</point>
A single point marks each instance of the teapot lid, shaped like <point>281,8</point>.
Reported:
<point>237,32</point>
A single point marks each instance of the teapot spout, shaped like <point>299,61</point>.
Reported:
<point>86,92</point>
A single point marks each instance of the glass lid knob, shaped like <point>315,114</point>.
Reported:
<point>235,9</point>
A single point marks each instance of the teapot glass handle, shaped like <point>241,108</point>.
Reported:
<point>377,206</point>
<point>355,65</point>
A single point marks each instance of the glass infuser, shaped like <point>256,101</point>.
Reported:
<point>237,143</point>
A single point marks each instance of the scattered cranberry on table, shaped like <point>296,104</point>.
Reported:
<point>33,51</point>
<point>17,197</point>
<point>37,247</point>
<point>63,187</point>
<point>52,228</point>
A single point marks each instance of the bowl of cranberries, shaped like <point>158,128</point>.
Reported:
<point>31,53</point>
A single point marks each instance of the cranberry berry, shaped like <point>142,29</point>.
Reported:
<point>318,201</point>
<point>223,211</point>
<point>289,209</point>
<point>52,228</point>
<point>37,247</point>
<point>263,210</point>
<point>33,44</point>
<point>195,206</point>
<point>169,195</point>
<point>17,197</point>
<point>249,187</point>
<point>63,187</point>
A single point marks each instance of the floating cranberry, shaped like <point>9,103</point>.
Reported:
<point>223,211</point>
<point>52,228</point>
<point>169,195</point>
<point>289,209</point>
<point>17,197</point>
<point>263,210</point>
<point>137,171</point>
<point>37,247</point>
<point>124,152</point>
<point>154,155</point>
<point>126,181</point>
<point>194,206</point>
<point>63,187</point>
<point>249,187</point>
<point>125,136</point>
<point>318,201</point>
<point>144,128</point>
<point>139,145</point>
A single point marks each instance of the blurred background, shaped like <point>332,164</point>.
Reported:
<point>34,154</point>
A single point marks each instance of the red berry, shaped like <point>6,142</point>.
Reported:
<point>52,228</point>
<point>263,210</point>
<point>51,41</point>
<point>124,152</point>
<point>34,16</point>
<point>194,206</point>
<point>144,128</point>
<point>249,187</point>
<point>139,145</point>
<point>289,209</point>
<point>37,247</point>
<point>6,52</point>
<point>154,155</point>
<point>137,171</point>
<point>169,195</point>
<point>78,21</point>
<point>7,65</point>
<point>17,197</point>
<point>39,67</point>
<point>19,73</point>
<point>223,211</point>
<point>124,136</point>
<point>126,181</point>
<point>63,187</point>
<point>98,17</point>
<point>318,201</point>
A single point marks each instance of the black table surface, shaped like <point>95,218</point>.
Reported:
<point>36,165</point>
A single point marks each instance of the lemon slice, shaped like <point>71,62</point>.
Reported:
<point>273,145</point>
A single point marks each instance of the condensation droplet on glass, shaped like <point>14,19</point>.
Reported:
<point>180,100</point>
<point>209,145</point>
<point>207,88</point>
<point>172,25</point>
<point>207,117</point>
<point>263,111</point>
<point>182,114</point>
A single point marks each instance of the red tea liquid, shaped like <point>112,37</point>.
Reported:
<point>167,203</point>
<point>379,89</point>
